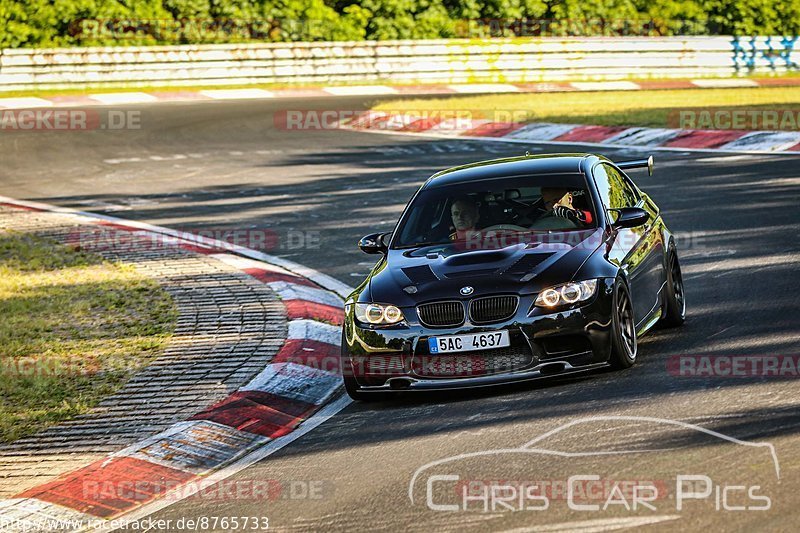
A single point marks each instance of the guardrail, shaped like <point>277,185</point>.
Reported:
<point>437,61</point>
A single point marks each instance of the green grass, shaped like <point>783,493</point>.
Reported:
<point>74,328</point>
<point>610,108</point>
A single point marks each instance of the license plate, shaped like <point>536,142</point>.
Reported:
<point>469,343</point>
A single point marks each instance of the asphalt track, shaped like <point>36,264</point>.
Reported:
<point>224,165</point>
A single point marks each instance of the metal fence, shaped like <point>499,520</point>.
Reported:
<point>440,61</point>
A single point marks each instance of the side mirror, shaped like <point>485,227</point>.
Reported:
<point>373,243</point>
<point>630,217</point>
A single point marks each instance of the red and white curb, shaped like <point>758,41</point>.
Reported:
<point>736,141</point>
<point>294,393</point>
<point>177,95</point>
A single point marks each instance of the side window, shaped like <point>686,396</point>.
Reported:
<point>620,192</point>
<point>601,180</point>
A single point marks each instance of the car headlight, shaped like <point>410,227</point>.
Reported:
<point>378,314</point>
<point>566,294</point>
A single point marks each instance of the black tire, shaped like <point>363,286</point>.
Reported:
<point>623,329</point>
<point>674,309</point>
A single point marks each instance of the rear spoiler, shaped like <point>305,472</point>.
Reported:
<point>638,163</point>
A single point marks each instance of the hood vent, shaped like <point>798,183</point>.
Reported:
<point>420,274</point>
<point>470,273</point>
<point>478,257</point>
<point>526,264</point>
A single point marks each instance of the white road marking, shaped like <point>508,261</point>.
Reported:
<point>605,85</point>
<point>124,98</point>
<point>172,157</point>
<point>725,83</point>
<point>196,446</point>
<point>644,136</point>
<point>720,332</point>
<point>236,94</point>
<point>541,131</point>
<point>472,88</point>
<point>456,126</point>
<point>294,291</point>
<point>316,331</point>
<point>358,90</point>
<point>768,141</point>
<point>727,159</point>
<point>24,102</point>
<point>688,278</point>
<point>123,160</point>
<point>296,382</point>
<point>243,263</point>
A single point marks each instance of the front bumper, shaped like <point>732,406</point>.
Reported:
<point>543,344</point>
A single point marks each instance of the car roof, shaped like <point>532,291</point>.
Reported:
<point>512,166</point>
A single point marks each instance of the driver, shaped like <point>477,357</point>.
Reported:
<point>465,214</point>
<point>558,203</point>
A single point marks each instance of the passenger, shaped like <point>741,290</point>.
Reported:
<point>558,203</point>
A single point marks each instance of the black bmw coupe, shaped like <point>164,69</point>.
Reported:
<point>512,270</point>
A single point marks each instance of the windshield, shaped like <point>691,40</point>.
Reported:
<point>494,209</point>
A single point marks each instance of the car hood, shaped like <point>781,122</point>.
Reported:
<point>410,277</point>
